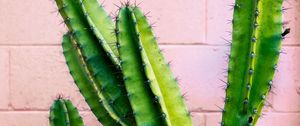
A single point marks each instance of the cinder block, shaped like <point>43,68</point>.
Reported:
<point>199,70</point>
<point>219,26</point>
<point>213,119</point>
<point>175,21</point>
<point>198,119</point>
<point>38,76</point>
<point>30,22</point>
<point>279,119</point>
<point>27,118</point>
<point>287,81</point>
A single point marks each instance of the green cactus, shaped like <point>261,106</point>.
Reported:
<point>86,83</point>
<point>256,42</point>
<point>147,76</point>
<point>119,69</point>
<point>63,113</point>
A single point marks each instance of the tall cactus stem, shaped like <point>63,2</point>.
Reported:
<point>269,40</point>
<point>257,28</point>
<point>139,93</point>
<point>159,72</point>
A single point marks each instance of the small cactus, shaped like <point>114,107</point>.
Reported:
<point>63,113</point>
<point>256,42</point>
<point>120,70</point>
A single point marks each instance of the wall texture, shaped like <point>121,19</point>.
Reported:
<point>33,70</point>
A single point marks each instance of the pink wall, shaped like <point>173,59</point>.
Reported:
<point>33,70</point>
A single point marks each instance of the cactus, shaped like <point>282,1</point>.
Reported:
<point>120,70</point>
<point>100,69</point>
<point>255,49</point>
<point>63,113</point>
<point>145,72</point>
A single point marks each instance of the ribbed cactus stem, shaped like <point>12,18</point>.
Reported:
<point>269,41</point>
<point>100,65</point>
<point>256,41</point>
<point>86,83</point>
<point>130,86</point>
<point>102,26</point>
<point>63,113</point>
<point>240,63</point>
<point>139,50</point>
<point>163,83</point>
<point>142,100</point>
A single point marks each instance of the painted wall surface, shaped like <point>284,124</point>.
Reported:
<point>191,32</point>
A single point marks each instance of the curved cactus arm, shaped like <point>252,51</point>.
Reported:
<point>63,113</point>
<point>160,75</point>
<point>141,98</point>
<point>105,73</point>
<point>102,26</point>
<point>268,47</point>
<point>85,82</point>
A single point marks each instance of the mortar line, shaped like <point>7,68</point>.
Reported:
<point>273,112</point>
<point>26,111</point>
<point>204,112</point>
<point>163,44</point>
<point>9,79</point>
<point>206,19</point>
<point>205,120</point>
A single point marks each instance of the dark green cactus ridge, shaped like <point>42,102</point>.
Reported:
<point>85,83</point>
<point>269,41</point>
<point>102,26</point>
<point>256,42</point>
<point>120,72</point>
<point>63,113</point>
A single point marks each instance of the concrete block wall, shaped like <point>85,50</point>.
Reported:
<point>33,70</point>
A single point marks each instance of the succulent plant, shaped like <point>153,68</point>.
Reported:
<point>120,69</point>
<point>255,48</point>
<point>64,113</point>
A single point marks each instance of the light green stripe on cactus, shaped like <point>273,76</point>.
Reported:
<point>235,110</point>
<point>102,25</point>
<point>141,98</point>
<point>177,112</point>
<point>74,117</point>
<point>252,73</point>
<point>151,78</point>
<point>85,84</point>
<point>267,53</point>
<point>105,73</point>
<point>63,113</point>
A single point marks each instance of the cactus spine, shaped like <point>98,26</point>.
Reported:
<point>119,69</point>
<point>256,42</point>
<point>63,113</point>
